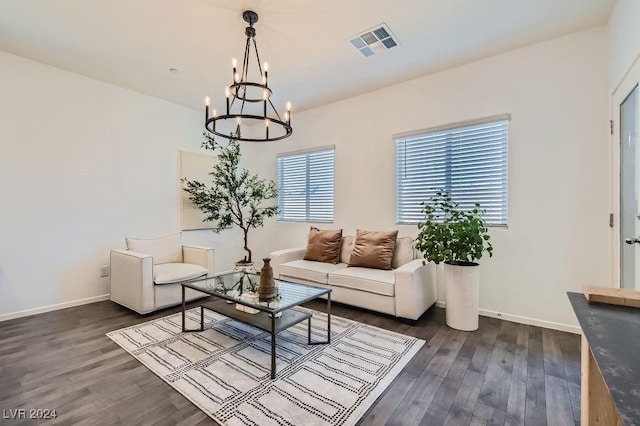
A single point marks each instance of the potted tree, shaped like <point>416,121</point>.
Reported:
<point>458,238</point>
<point>234,197</point>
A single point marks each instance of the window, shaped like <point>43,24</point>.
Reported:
<point>469,161</point>
<point>305,182</point>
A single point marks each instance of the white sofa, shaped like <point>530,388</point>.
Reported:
<point>146,277</point>
<point>406,291</point>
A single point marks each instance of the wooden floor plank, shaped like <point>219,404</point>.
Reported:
<point>439,408</point>
<point>553,362</point>
<point>486,343</point>
<point>516,403</point>
<point>536,400</point>
<point>445,347</point>
<point>436,415</point>
<point>559,412</point>
<point>521,353</point>
<point>386,405</point>
<point>485,415</point>
<point>574,394</point>
<point>518,389</point>
<point>497,380</point>
<point>412,408</point>
<point>465,400</point>
<point>535,358</point>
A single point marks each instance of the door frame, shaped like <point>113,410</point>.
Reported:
<point>630,80</point>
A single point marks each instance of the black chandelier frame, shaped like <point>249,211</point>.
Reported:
<point>239,92</point>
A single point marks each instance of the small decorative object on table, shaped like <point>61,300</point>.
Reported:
<point>251,298</point>
<point>246,267</point>
<point>267,290</point>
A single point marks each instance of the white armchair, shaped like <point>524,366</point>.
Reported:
<point>147,276</point>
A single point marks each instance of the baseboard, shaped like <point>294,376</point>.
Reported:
<point>49,308</point>
<point>524,320</point>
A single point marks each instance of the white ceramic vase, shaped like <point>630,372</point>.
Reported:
<point>462,294</point>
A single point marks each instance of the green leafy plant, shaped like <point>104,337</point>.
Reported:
<point>450,234</point>
<point>234,196</point>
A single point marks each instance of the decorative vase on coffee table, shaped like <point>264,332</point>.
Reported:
<point>267,290</point>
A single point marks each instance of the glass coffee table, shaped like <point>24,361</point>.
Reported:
<point>234,288</point>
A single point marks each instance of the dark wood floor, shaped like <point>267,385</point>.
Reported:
<point>504,373</point>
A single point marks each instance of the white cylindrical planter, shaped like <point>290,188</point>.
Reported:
<point>462,294</point>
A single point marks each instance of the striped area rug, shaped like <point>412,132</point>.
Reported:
<point>225,370</point>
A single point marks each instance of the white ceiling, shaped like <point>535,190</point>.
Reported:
<point>134,43</point>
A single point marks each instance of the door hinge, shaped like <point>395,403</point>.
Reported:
<point>610,127</point>
<point>610,220</point>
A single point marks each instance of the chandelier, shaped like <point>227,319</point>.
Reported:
<point>248,102</point>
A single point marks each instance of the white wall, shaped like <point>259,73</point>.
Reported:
<point>82,165</point>
<point>624,39</point>
<point>558,237</point>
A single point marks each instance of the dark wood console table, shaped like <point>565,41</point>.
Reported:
<point>610,362</point>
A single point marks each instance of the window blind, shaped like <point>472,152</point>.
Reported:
<point>305,183</point>
<point>469,162</point>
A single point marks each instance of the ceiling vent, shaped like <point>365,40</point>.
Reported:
<point>375,40</point>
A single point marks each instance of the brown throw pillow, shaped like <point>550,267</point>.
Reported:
<point>323,245</point>
<point>373,249</point>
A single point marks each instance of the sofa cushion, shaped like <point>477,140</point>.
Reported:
<point>346,248</point>
<point>365,279</point>
<point>403,253</point>
<point>168,273</point>
<point>373,249</point>
<point>163,250</point>
<point>323,245</point>
<point>309,270</point>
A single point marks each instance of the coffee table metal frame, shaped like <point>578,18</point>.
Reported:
<point>265,320</point>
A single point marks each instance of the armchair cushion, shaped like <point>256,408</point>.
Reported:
<point>169,273</point>
<point>163,250</point>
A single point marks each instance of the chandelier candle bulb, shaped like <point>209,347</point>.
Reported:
<point>227,92</point>
<point>234,65</point>
<point>206,109</point>
<point>265,78</point>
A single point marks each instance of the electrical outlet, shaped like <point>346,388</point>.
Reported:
<point>104,271</point>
